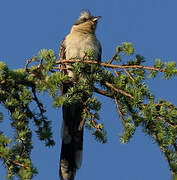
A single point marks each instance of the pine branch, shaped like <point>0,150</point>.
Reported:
<point>20,164</point>
<point>119,111</point>
<point>91,116</point>
<point>129,74</point>
<point>122,83</point>
<point>40,105</point>
<point>61,61</point>
<point>114,70</point>
<point>118,90</point>
<point>115,55</point>
<point>167,123</point>
<point>102,92</point>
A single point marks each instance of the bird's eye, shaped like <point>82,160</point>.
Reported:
<point>84,20</point>
<point>80,21</point>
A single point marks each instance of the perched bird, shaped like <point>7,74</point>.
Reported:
<point>80,39</point>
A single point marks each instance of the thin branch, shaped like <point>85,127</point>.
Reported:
<point>109,65</point>
<point>128,73</point>
<point>161,118</point>
<point>62,68</point>
<point>116,54</point>
<point>27,63</point>
<point>119,111</point>
<point>102,92</point>
<point>118,90</point>
<point>40,106</point>
<point>15,162</point>
<point>91,115</point>
<point>114,70</point>
<point>92,119</point>
<point>19,164</point>
<point>167,123</point>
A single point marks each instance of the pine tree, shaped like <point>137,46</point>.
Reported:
<point>122,79</point>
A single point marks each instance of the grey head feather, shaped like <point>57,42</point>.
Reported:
<point>85,15</point>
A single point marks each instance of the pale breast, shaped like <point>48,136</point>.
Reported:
<point>77,43</point>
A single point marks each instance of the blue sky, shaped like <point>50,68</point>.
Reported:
<point>151,26</point>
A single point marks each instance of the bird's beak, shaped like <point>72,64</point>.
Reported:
<point>96,18</point>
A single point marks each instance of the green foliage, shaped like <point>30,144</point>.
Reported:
<point>127,48</point>
<point>125,84</point>
<point>100,136</point>
<point>174,177</point>
<point>170,70</point>
<point>18,89</point>
<point>129,129</point>
<point>158,64</point>
<point>3,71</point>
<point>90,54</point>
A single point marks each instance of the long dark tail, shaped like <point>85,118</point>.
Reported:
<point>72,140</point>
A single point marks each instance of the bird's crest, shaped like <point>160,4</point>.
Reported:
<point>85,14</point>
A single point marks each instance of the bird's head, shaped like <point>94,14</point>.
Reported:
<point>86,22</point>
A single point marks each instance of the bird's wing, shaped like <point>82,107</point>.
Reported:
<point>62,52</point>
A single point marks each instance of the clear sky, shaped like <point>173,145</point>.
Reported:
<point>28,26</point>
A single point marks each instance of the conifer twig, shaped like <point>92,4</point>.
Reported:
<point>20,164</point>
<point>40,105</point>
<point>108,65</point>
<point>116,54</point>
<point>116,73</point>
<point>15,162</point>
<point>128,73</point>
<point>102,92</point>
<point>119,111</point>
<point>118,90</point>
<point>28,61</point>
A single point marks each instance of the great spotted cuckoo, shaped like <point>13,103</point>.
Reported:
<point>80,39</point>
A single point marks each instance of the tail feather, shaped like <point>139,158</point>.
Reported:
<point>72,141</point>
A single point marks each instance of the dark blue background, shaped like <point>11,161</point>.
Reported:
<point>28,26</point>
